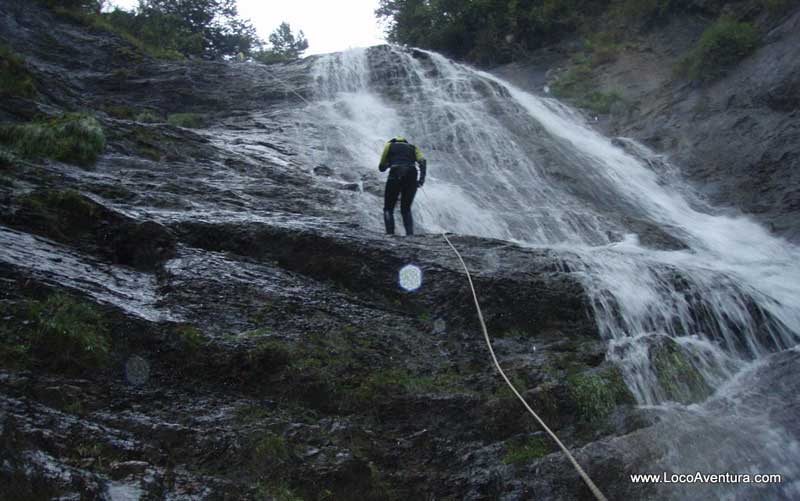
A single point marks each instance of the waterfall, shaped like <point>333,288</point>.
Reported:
<point>667,275</point>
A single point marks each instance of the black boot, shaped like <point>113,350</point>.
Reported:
<point>388,220</point>
<point>408,222</point>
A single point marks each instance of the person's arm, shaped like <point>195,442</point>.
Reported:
<point>423,167</point>
<point>382,166</point>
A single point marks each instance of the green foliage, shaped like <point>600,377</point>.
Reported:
<point>721,47</point>
<point>15,80</point>
<point>270,448</point>
<point>596,394</point>
<point>188,120</point>
<point>526,452</point>
<point>118,22</point>
<point>60,333</point>
<point>7,158</point>
<point>55,212</point>
<point>779,7</point>
<point>576,84</point>
<point>484,31</point>
<point>72,138</point>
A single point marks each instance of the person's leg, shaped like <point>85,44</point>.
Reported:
<point>390,195</point>
<point>409,190</point>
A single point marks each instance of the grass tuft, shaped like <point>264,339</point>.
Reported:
<point>188,120</point>
<point>72,138</point>
<point>60,332</point>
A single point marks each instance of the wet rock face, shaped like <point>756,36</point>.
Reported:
<point>257,343</point>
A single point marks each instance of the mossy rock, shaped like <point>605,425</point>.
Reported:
<point>596,394</point>
<point>526,451</point>
<point>73,138</point>
<point>678,377</point>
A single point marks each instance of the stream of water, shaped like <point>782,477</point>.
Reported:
<point>672,281</point>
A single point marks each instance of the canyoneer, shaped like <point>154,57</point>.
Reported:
<point>401,158</point>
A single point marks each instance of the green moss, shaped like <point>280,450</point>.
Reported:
<point>533,448</point>
<point>59,332</point>
<point>190,337</point>
<point>269,449</point>
<point>73,138</point>
<point>148,116</point>
<point>503,391</point>
<point>250,413</point>
<point>188,120</point>
<point>596,394</point>
<point>721,47</point>
<point>278,491</point>
<point>15,80</point>
<point>120,111</point>
<point>680,380</point>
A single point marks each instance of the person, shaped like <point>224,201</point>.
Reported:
<point>400,157</point>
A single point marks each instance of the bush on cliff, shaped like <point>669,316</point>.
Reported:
<point>170,28</point>
<point>15,81</point>
<point>72,138</point>
<point>721,47</point>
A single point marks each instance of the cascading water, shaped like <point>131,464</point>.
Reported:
<point>710,292</point>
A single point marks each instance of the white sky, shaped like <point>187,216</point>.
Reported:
<point>329,25</point>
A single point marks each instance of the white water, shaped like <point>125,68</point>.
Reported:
<point>506,164</point>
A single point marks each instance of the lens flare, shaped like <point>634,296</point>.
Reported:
<point>137,370</point>
<point>410,277</point>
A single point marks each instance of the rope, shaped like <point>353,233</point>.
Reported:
<point>595,490</point>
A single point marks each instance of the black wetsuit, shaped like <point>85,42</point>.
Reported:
<point>400,158</point>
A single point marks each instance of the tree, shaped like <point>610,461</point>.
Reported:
<point>285,46</point>
<point>210,28</point>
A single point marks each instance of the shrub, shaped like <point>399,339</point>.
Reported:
<point>722,46</point>
<point>148,117</point>
<point>15,81</point>
<point>188,120</point>
<point>599,102</point>
<point>59,332</point>
<point>72,138</point>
